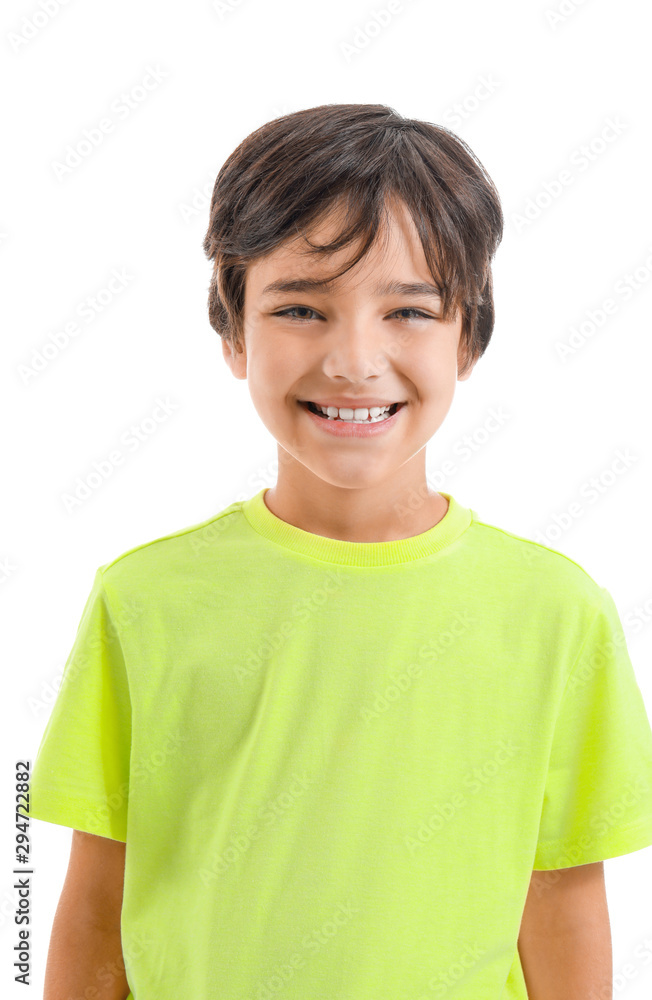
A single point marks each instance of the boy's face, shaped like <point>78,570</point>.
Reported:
<point>349,344</point>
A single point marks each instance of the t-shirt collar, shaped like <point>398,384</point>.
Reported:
<point>335,550</point>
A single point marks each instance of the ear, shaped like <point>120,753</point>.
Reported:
<point>235,357</point>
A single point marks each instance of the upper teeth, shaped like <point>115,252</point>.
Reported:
<point>346,413</point>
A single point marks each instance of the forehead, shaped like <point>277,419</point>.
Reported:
<point>395,259</point>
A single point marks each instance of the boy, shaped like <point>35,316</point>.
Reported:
<point>344,739</point>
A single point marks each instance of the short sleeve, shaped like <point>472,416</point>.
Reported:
<point>80,776</point>
<point>598,794</point>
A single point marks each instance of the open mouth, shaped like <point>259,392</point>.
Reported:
<point>382,414</point>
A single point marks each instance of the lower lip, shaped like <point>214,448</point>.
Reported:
<point>345,428</point>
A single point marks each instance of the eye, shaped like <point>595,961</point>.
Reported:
<point>415,312</point>
<point>294,309</point>
<point>402,319</point>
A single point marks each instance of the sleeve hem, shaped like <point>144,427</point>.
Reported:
<point>84,815</point>
<point>617,842</point>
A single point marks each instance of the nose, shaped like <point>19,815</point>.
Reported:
<point>356,350</point>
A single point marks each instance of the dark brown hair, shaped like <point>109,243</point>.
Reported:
<point>286,175</point>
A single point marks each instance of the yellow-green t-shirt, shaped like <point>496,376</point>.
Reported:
<point>336,764</point>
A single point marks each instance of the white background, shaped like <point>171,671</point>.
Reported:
<point>552,82</point>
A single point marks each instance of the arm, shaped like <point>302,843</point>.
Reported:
<point>565,938</point>
<point>85,954</point>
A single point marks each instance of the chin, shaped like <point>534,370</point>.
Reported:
<point>351,479</point>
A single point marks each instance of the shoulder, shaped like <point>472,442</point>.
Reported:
<point>177,554</point>
<point>532,567</point>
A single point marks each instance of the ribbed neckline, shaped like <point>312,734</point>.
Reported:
<point>335,550</point>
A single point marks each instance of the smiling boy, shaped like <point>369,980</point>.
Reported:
<point>345,739</point>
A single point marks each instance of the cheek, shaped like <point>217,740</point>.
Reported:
<point>269,382</point>
<point>428,369</point>
<point>435,383</point>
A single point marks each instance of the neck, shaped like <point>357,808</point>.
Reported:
<point>399,508</point>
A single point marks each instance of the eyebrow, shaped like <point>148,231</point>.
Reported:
<point>411,288</point>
